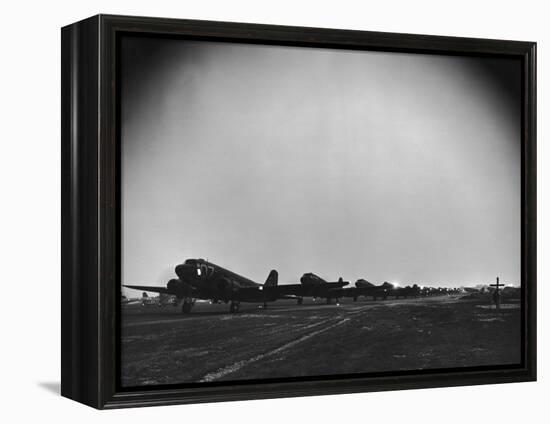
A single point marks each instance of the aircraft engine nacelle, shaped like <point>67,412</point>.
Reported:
<point>178,288</point>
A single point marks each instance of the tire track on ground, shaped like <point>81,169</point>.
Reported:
<point>224,371</point>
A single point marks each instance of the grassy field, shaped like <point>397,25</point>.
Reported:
<point>160,346</point>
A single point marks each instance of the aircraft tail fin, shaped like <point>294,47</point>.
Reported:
<point>272,279</point>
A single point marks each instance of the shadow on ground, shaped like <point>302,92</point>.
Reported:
<point>51,386</point>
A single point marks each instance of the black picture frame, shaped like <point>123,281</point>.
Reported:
<point>91,210</point>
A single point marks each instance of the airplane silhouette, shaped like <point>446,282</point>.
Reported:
<point>200,279</point>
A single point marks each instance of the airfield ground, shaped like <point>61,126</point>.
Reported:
<point>161,346</point>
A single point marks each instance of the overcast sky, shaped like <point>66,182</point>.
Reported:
<point>383,166</point>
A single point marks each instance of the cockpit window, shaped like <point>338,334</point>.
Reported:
<point>190,262</point>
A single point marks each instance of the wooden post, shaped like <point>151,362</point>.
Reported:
<point>496,294</point>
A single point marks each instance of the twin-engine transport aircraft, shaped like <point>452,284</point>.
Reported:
<point>316,287</point>
<point>200,279</point>
<point>365,288</point>
<point>408,291</point>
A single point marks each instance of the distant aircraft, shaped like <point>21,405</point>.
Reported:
<point>471,290</point>
<point>167,299</point>
<point>126,301</point>
<point>146,300</point>
<point>200,279</point>
<point>366,288</point>
<point>405,292</point>
<point>316,287</point>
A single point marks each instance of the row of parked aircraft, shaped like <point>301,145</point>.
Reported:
<point>201,279</point>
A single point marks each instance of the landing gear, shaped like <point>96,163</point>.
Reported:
<point>265,305</point>
<point>355,298</point>
<point>234,307</point>
<point>300,300</point>
<point>187,305</point>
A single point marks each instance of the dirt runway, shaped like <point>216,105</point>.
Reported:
<point>161,346</point>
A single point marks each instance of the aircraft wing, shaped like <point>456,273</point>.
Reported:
<point>299,290</point>
<point>336,291</point>
<point>153,289</point>
<point>290,296</point>
<point>286,290</point>
<point>337,284</point>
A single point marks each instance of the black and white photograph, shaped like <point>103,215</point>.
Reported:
<point>295,212</point>
<point>307,212</point>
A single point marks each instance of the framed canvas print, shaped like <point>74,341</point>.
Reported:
<point>253,211</point>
